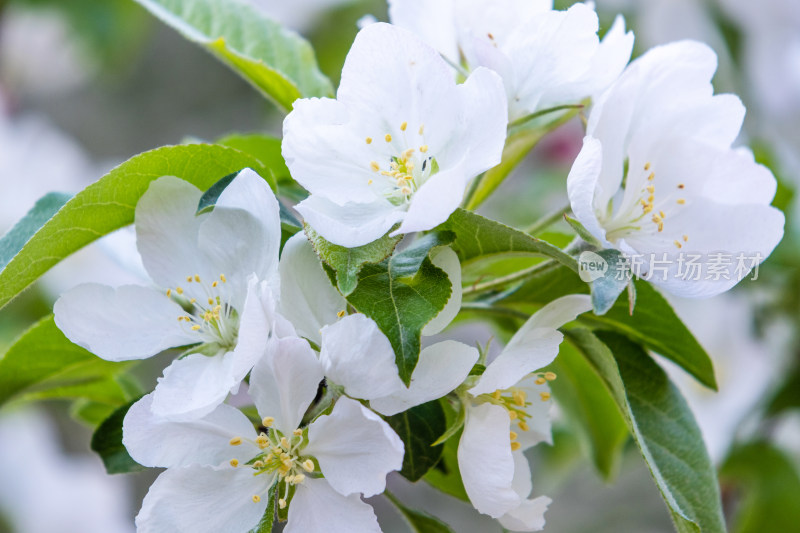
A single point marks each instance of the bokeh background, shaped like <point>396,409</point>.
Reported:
<point>86,84</point>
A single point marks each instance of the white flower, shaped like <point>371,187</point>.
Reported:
<point>210,273</point>
<point>399,144</point>
<point>495,472</point>
<point>657,174</point>
<point>219,470</point>
<point>545,57</point>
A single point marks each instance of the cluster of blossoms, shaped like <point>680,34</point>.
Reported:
<point>423,108</point>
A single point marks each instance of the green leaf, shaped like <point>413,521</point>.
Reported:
<point>275,60</point>
<point>347,262</point>
<point>445,476</point>
<point>418,521</point>
<point>110,203</point>
<point>89,412</point>
<point>43,363</point>
<point>43,210</point>
<point>607,288</point>
<point>582,232</point>
<point>418,428</point>
<point>480,237</point>
<point>662,426</point>
<point>107,443</point>
<point>655,325</point>
<point>266,149</point>
<point>770,486</point>
<point>268,519</point>
<point>402,294</point>
<point>589,406</point>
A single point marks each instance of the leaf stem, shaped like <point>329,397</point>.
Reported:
<point>538,268</point>
<point>532,116</point>
<point>548,220</point>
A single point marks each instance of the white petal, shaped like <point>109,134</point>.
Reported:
<point>447,260</point>
<point>129,322</point>
<point>242,235</point>
<point>586,194</point>
<point>166,231</point>
<point>193,386</point>
<point>285,381</point>
<point>435,201</point>
<point>357,355</point>
<point>351,224</point>
<point>441,368</point>
<point>434,22</point>
<point>485,460</point>
<point>159,442</point>
<point>355,448</point>
<point>529,516</point>
<point>533,346</point>
<point>188,500</point>
<point>256,321</point>
<point>539,421</point>
<point>317,508</point>
<point>308,299</point>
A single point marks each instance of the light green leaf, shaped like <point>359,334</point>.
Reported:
<point>418,521</point>
<point>445,476</point>
<point>347,262</point>
<point>42,211</point>
<point>418,428</point>
<point>582,232</point>
<point>662,426</point>
<point>109,204</point>
<point>402,294</point>
<point>266,149</point>
<point>275,60</point>
<point>107,443</point>
<point>589,406</point>
<point>43,363</point>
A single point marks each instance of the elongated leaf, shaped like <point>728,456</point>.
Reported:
<point>662,426</point>
<point>418,521</point>
<point>418,428</point>
<point>44,209</point>
<point>266,149</point>
<point>445,476</point>
<point>275,60</point>
<point>588,404</point>
<point>347,262</point>
<point>43,363</point>
<point>107,443</point>
<point>109,204</point>
<point>477,236</point>
<point>402,294</point>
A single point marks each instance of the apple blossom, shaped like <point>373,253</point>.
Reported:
<point>398,145</point>
<point>545,57</point>
<point>220,471</point>
<point>208,277</point>
<point>657,175</point>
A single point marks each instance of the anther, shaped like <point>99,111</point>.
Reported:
<point>550,376</point>
<point>651,189</point>
<point>179,290</point>
<point>646,167</point>
<point>388,138</point>
<point>189,279</point>
<point>523,425</point>
<point>512,415</point>
<point>308,465</point>
<point>515,446</point>
<point>651,177</point>
<point>545,396</point>
<point>369,140</point>
<point>223,279</point>
<point>341,313</point>
<point>374,166</point>
<point>405,191</point>
<point>282,503</point>
<point>681,186</point>
<point>678,244</point>
<point>169,293</point>
<point>256,498</point>
<point>422,129</point>
<point>297,432</point>
<point>211,301</point>
<point>685,238</point>
<point>195,327</point>
<point>267,421</point>
<point>423,148</point>
<point>513,435</point>
<point>214,284</point>
<point>540,381</point>
<point>681,201</point>
<point>298,478</point>
<point>234,463</point>
<point>284,442</point>
<point>197,278</point>
<point>403,126</point>
<point>235,441</point>
<point>259,464</point>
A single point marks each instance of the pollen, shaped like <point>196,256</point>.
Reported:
<point>646,167</point>
<point>234,463</point>
<point>403,126</point>
<point>374,166</point>
<point>513,435</point>
<point>235,441</point>
<point>523,426</point>
<point>195,327</point>
<point>422,129</point>
<point>544,396</point>
<point>678,244</point>
<point>169,293</point>
<point>256,498</point>
<point>267,421</point>
<point>197,278</point>
<point>189,279</point>
<point>423,148</point>
<point>369,140</point>
<point>388,138</point>
<point>685,238</point>
<point>223,279</point>
<point>179,290</point>
<point>282,503</point>
<point>515,446</point>
<point>681,201</point>
<point>308,465</point>
<point>540,381</point>
<point>297,432</point>
<point>681,186</point>
<point>550,376</point>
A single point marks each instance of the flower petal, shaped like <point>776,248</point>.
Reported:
<point>434,22</point>
<point>441,368</point>
<point>486,462</point>
<point>187,500</point>
<point>539,422</point>
<point>308,299</point>
<point>529,515</point>
<point>587,196</point>
<point>351,224</point>
<point>193,386</point>
<point>447,260</point>
<point>285,381</point>
<point>129,322</point>
<point>533,346</point>
<point>355,448</point>
<point>357,355</point>
<point>159,442</point>
<point>317,508</point>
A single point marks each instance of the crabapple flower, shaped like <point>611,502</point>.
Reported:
<point>657,176</point>
<point>220,471</point>
<point>398,145</point>
<point>545,57</point>
<point>209,282</point>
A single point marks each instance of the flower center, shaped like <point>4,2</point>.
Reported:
<point>281,459</point>
<point>406,169</point>
<point>210,317</point>
<point>646,212</point>
<point>515,401</point>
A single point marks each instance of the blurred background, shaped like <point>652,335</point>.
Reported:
<point>86,84</point>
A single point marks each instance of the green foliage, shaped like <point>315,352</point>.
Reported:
<point>662,426</point>
<point>418,521</point>
<point>770,487</point>
<point>347,262</point>
<point>107,443</point>
<point>268,519</point>
<point>42,211</point>
<point>109,204</point>
<point>275,60</point>
<point>402,294</point>
<point>266,149</point>
<point>418,428</point>
<point>606,289</point>
<point>445,476</point>
<point>43,363</point>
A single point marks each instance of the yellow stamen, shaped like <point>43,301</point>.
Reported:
<point>195,327</point>
<point>540,381</point>
<point>341,313</point>
<point>678,244</point>
<point>422,129</point>
<point>211,301</point>
<point>369,140</point>
<point>169,293</point>
<point>515,446</point>
<point>308,465</point>
<point>523,426</point>
<point>545,396</point>
<point>369,182</point>
<point>681,201</point>
<point>405,191</point>
<point>513,436</point>
<point>297,432</point>
<point>388,138</point>
<point>197,278</point>
<point>267,421</point>
<point>256,498</point>
<point>179,290</point>
<point>685,238</point>
<point>550,376</point>
<point>214,284</point>
<point>223,278</point>
<point>282,503</point>
<point>681,186</point>
<point>651,177</point>
<point>423,148</point>
<point>234,463</point>
<point>512,415</point>
<point>374,166</point>
<point>235,441</point>
<point>651,189</point>
<point>403,126</point>
<point>646,167</point>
